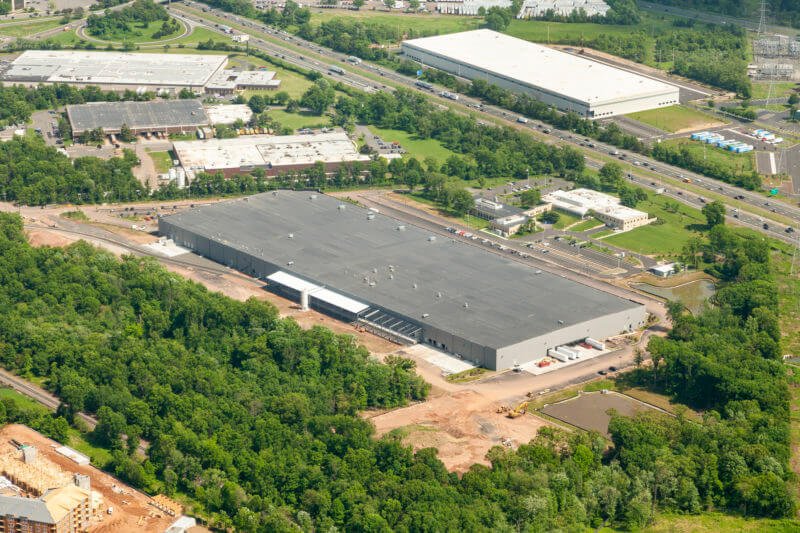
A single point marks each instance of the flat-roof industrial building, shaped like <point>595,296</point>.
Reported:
<point>157,116</point>
<point>274,154</point>
<point>565,81</point>
<point>119,71</point>
<point>400,280</point>
<point>607,208</point>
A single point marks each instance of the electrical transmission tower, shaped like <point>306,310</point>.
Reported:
<point>762,21</point>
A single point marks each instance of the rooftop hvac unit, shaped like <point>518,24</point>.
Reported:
<point>438,294</point>
<point>401,228</point>
<point>342,207</point>
<point>291,235</point>
<point>431,238</point>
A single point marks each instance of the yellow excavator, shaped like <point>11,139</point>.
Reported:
<point>518,411</point>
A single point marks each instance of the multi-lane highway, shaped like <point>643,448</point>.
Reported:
<point>752,209</point>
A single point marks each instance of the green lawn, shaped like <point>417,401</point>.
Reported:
<point>416,147</point>
<point>709,522</point>
<point>22,400</point>
<point>138,33</point>
<point>161,160</point>
<point>587,225</point>
<point>738,163</point>
<point>676,118</point>
<point>565,219</point>
<point>296,121</point>
<point>199,34</point>
<point>26,30</point>
<point>293,83</point>
<point>405,22</point>
<point>661,239</point>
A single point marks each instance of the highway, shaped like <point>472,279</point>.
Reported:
<point>774,213</point>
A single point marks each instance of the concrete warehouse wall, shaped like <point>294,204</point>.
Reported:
<point>560,101</point>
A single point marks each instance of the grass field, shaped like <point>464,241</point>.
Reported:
<point>198,35</point>
<point>661,239</point>
<point>416,147</point>
<point>676,118</point>
<point>26,30</point>
<point>65,38</point>
<point>779,89</point>
<point>587,225</point>
<point>406,23</point>
<point>739,163</point>
<point>138,33</point>
<point>718,523</point>
<point>299,120</point>
<point>564,220</point>
<point>161,160</point>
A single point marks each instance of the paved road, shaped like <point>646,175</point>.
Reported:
<point>319,59</point>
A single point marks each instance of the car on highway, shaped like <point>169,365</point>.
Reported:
<point>765,225</point>
<point>789,230</point>
<point>603,372</point>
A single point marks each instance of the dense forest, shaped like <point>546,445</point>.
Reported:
<point>123,22</point>
<point>784,12</point>
<point>256,419</point>
<point>32,173</point>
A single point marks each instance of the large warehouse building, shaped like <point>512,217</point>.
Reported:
<point>120,71</point>
<point>565,81</point>
<point>273,154</point>
<point>157,116</point>
<point>399,280</point>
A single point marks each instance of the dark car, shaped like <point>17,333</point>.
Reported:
<point>612,368</point>
<point>789,230</point>
<point>602,372</point>
<point>765,225</point>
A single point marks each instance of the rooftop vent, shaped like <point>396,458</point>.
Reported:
<point>431,238</point>
<point>415,286</point>
<point>342,207</point>
<point>561,322</point>
<point>425,315</point>
<point>438,294</point>
<point>401,228</point>
<point>291,235</point>
<point>371,216</point>
<point>466,305</point>
<point>290,263</point>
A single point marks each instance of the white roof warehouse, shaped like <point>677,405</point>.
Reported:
<point>565,81</point>
<point>137,72</point>
<point>274,154</point>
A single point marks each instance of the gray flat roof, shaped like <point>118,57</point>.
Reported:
<point>98,68</point>
<point>580,79</point>
<point>507,301</point>
<point>155,114</point>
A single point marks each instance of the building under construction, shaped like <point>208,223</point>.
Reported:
<point>399,280</point>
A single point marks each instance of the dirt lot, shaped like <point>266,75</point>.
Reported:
<point>462,425</point>
<point>132,510</point>
<point>590,410</point>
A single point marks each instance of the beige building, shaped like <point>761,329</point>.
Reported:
<point>63,510</point>
<point>604,207</point>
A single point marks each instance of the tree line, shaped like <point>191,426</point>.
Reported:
<point>782,11</point>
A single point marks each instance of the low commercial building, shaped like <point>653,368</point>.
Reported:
<point>121,71</point>
<point>507,220</point>
<point>468,7</point>
<point>229,81</point>
<point>399,280</point>
<point>565,81</point>
<point>604,207</point>
<point>273,154</point>
<point>229,113</point>
<point>157,116</point>
<point>564,8</point>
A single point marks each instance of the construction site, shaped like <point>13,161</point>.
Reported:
<point>48,487</point>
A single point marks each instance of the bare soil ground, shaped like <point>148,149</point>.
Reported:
<point>461,425</point>
<point>132,509</point>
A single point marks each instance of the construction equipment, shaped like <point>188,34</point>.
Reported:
<point>518,411</point>
<point>503,409</point>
